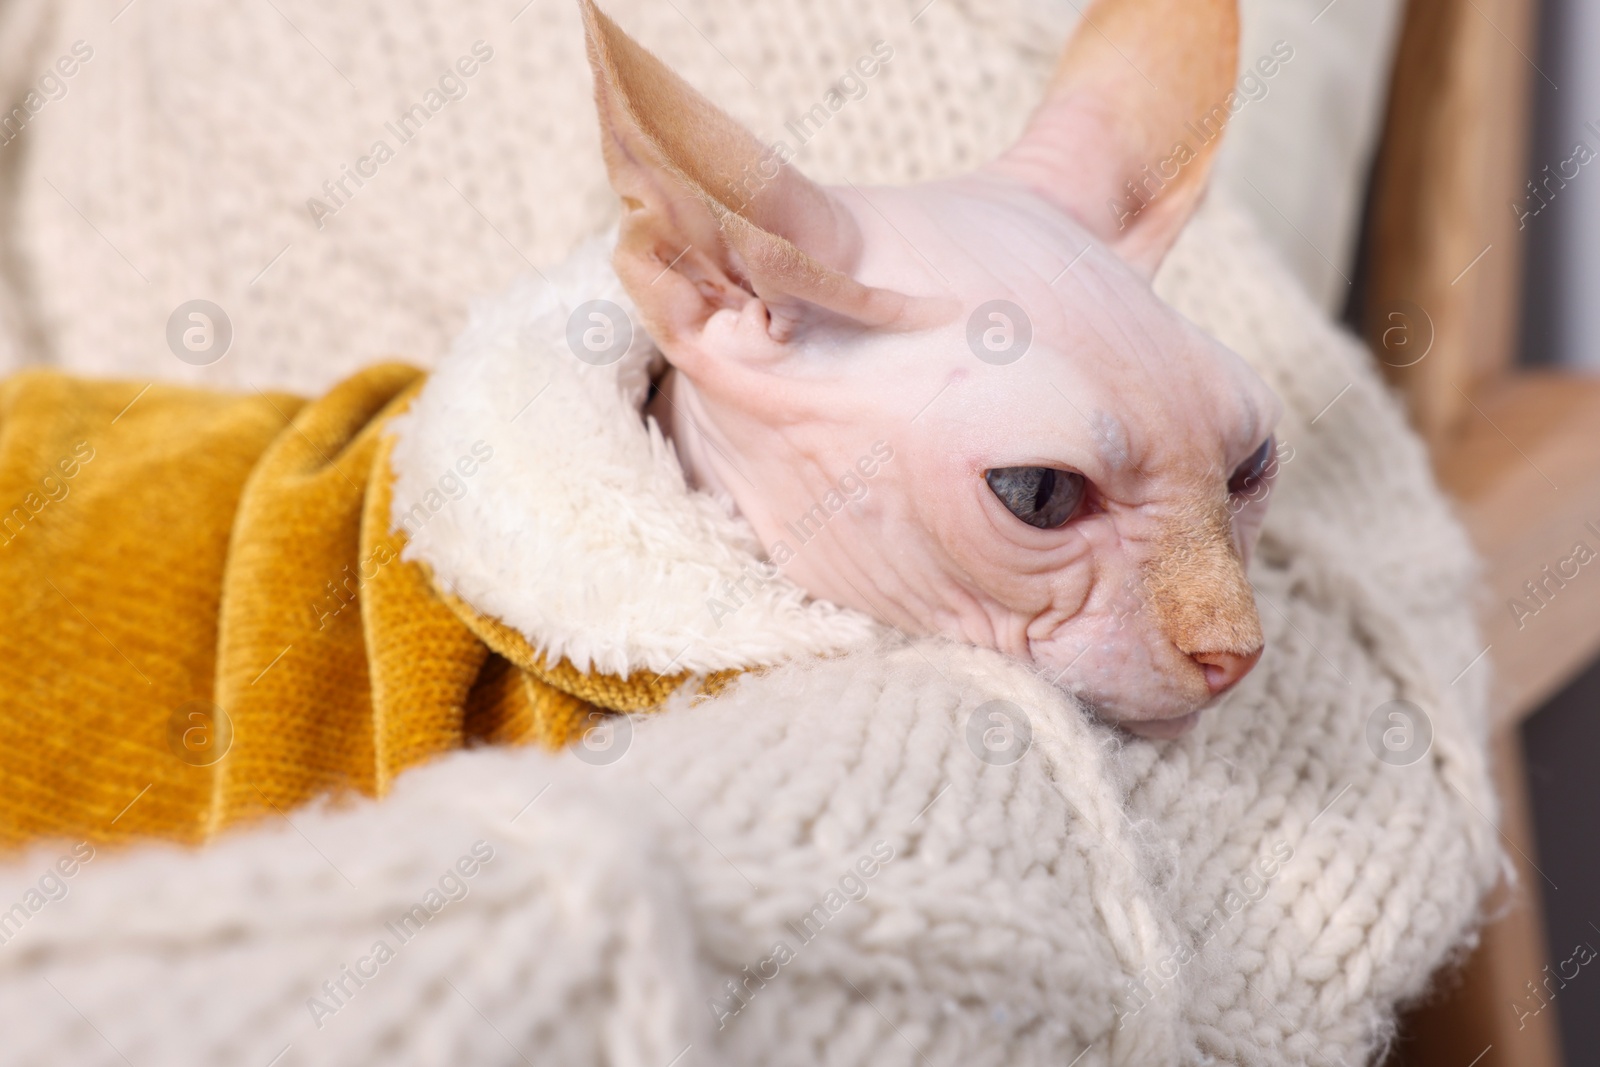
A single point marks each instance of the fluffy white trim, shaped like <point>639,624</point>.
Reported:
<point>580,531</point>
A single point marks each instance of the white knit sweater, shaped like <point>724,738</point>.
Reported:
<point>177,162</point>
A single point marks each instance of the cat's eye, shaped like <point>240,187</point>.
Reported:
<point>1247,476</point>
<point>1039,496</point>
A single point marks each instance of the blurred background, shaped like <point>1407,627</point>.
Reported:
<point>1561,329</point>
<point>1562,318</point>
<point>1428,169</point>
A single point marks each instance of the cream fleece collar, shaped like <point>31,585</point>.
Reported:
<point>531,485</point>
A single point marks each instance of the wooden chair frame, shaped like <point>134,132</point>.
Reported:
<point>1518,449</point>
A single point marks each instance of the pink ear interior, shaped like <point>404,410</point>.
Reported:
<point>1132,119</point>
<point>697,184</point>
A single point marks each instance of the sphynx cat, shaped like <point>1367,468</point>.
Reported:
<point>1090,507</point>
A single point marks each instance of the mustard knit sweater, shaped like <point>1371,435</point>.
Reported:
<point>207,618</point>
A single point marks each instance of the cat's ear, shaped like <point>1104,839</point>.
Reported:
<point>712,219</point>
<point>1131,120</point>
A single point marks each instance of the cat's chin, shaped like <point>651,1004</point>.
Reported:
<point>1162,729</point>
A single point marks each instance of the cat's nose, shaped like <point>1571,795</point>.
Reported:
<point>1224,669</point>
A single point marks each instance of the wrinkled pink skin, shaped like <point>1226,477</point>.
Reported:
<point>1116,385</point>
